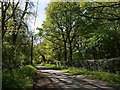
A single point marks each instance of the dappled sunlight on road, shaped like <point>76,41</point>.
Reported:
<point>66,80</point>
<point>61,80</point>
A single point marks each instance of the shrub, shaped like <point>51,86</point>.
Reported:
<point>19,79</point>
<point>28,71</point>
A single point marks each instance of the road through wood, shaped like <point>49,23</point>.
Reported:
<point>46,78</point>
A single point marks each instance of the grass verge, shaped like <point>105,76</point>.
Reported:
<point>100,75</point>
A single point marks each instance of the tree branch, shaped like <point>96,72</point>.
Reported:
<point>92,17</point>
<point>12,12</point>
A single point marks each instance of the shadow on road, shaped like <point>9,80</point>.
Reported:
<point>54,79</point>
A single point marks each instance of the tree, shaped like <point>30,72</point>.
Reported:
<point>80,31</point>
<point>101,10</point>
<point>104,22</point>
<point>15,34</point>
<point>63,21</point>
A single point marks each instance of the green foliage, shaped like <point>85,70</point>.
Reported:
<point>61,27</point>
<point>43,51</point>
<point>74,33</point>
<point>14,80</point>
<point>15,34</point>
<point>16,45</point>
<point>28,71</point>
<point>20,79</point>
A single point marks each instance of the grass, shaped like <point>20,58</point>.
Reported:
<point>105,76</point>
<point>100,75</point>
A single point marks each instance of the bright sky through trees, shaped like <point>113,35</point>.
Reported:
<point>40,6</point>
<point>40,13</point>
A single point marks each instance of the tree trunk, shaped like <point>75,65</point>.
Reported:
<point>70,48</point>
<point>32,50</point>
<point>3,20</point>
<point>43,58</point>
<point>59,53</point>
<point>70,52</point>
<point>65,51</point>
<point>93,52</point>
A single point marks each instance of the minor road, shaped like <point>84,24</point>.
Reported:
<point>58,79</point>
